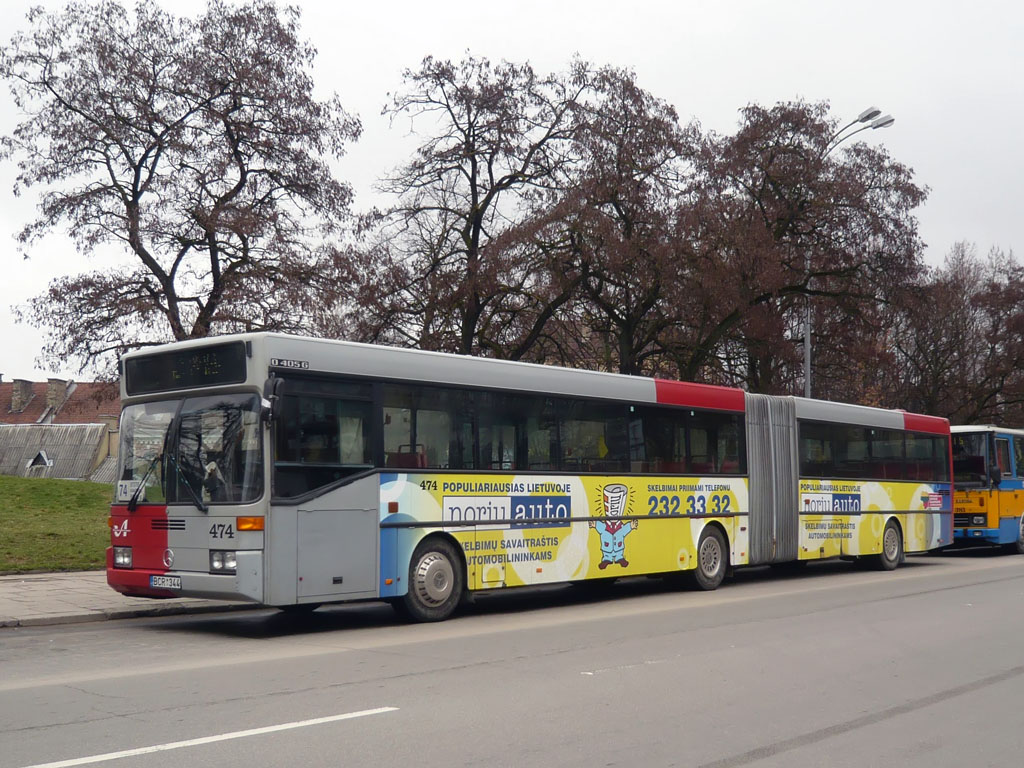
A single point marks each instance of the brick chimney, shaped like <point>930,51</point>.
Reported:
<point>56,393</point>
<point>20,395</point>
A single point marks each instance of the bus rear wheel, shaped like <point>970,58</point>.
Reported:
<point>712,559</point>
<point>436,582</point>
<point>892,548</point>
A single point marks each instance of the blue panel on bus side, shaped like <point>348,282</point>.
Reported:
<point>1009,530</point>
<point>389,564</point>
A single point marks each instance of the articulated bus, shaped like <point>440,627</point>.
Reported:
<point>988,505</point>
<point>293,472</point>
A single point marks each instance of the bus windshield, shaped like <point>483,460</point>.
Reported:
<point>969,462</point>
<point>196,451</point>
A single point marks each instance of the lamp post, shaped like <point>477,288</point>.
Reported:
<point>872,118</point>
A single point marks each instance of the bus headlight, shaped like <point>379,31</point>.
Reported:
<point>122,557</point>
<point>222,561</point>
<point>978,519</point>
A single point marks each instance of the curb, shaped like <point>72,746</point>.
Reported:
<point>124,613</point>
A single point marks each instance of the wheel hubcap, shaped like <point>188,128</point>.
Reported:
<point>434,579</point>
<point>891,544</point>
<point>710,557</point>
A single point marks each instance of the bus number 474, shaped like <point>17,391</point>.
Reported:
<point>222,531</point>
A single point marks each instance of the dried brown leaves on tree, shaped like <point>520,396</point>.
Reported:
<point>958,343</point>
<point>445,273</point>
<point>613,218</point>
<point>780,214</point>
<point>193,146</point>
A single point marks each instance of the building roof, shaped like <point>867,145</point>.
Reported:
<point>82,403</point>
<point>51,450</point>
<point>90,403</point>
<point>32,412</point>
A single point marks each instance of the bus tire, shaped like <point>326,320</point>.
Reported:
<point>892,548</point>
<point>1018,546</point>
<point>436,582</point>
<point>712,559</point>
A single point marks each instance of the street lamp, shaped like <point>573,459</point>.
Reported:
<point>872,118</point>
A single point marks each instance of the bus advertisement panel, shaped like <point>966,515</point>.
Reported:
<point>847,517</point>
<point>516,530</point>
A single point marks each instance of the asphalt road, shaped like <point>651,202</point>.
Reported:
<point>829,666</point>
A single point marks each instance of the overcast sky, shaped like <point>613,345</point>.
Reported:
<point>949,72</point>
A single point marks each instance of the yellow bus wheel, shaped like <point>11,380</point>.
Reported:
<point>892,547</point>
<point>712,559</point>
<point>437,580</point>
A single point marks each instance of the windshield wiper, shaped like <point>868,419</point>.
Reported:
<point>133,502</point>
<point>196,498</point>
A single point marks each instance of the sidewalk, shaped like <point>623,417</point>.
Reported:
<point>36,599</point>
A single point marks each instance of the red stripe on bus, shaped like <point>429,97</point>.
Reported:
<point>934,424</point>
<point>698,395</point>
<point>148,541</point>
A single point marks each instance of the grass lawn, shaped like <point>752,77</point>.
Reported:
<point>52,525</point>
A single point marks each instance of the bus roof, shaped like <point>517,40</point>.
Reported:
<point>962,428</point>
<point>287,353</point>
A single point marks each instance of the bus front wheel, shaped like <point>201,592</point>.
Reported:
<point>892,548</point>
<point>1019,546</point>
<point>712,559</point>
<point>436,582</point>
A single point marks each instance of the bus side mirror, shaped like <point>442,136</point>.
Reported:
<point>995,476</point>
<point>270,405</point>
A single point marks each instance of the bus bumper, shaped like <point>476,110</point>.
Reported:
<point>246,583</point>
<point>976,535</point>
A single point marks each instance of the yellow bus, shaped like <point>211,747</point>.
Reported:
<point>988,506</point>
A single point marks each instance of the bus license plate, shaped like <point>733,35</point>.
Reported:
<point>165,582</point>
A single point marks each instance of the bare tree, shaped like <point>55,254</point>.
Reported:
<point>446,268</point>
<point>958,346</point>
<point>195,146</point>
<point>616,217</point>
<point>779,214</point>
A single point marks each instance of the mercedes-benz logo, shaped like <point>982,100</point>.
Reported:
<point>168,558</point>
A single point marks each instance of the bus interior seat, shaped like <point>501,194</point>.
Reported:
<point>891,470</point>
<point>404,458</point>
<point>671,467</point>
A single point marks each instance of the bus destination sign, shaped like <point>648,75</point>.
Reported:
<point>186,369</point>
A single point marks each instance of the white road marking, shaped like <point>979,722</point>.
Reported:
<point>621,667</point>
<point>211,739</point>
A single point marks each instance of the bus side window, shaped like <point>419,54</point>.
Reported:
<point>321,435</point>
<point>850,443</point>
<point>940,464</point>
<point>593,437</point>
<point>816,453</point>
<point>427,427</point>
<point>501,440</point>
<point>1003,456</point>
<point>1018,454</point>
<point>886,454</point>
<point>658,440</point>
